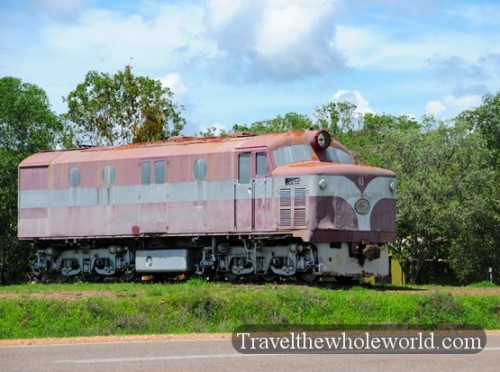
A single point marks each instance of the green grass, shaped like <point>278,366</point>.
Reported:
<point>483,284</point>
<point>83,309</point>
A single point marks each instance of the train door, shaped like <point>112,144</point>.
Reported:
<point>153,195</point>
<point>250,190</point>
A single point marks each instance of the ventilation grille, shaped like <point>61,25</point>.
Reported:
<point>299,197</point>
<point>292,210</point>
<point>285,217</point>
<point>285,198</point>
<point>299,217</point>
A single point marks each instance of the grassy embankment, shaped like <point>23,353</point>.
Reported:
<point>82,309</point>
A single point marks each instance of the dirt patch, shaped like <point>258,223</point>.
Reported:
<point>72,295</point>
<point>457,291</point>
<point>136,338</point>
<point>113,339</point>
<point>59,295</point>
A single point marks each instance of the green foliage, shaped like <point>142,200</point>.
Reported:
<point>483,284</point>
<point>369,143</point>
<point>212,132</point>
<point>291,121</point>
<point>338,118</point>
<point>486,119</point>
<point>14,255</point>
<point>478,248</point>
<point>445,184</point>
<point>123,108</point>
<point>27,125</point>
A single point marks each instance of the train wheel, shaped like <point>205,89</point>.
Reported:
<point>128,276</point>
<point>269,276</point>
<point>94,278</point>
<point>230,277</point>
<point>346,280</point>
<point>67,278</point>
<point>308,277</point>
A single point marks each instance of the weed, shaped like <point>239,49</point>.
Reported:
<point>155,292</point>
<point>132,322</point>
<point>439,308</point>
<point>206,308</point>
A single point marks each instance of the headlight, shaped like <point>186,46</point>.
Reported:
<point>392,186</point>
<point>322,184</point>
<point>362,206</point>
<point>322,140</point>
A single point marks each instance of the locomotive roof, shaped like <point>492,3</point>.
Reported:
<point>174,146</point>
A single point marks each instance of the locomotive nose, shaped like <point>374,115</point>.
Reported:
<point>316,168</point>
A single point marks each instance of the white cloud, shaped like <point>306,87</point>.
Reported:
<point>355,97</point>
<point>374,47</point>
<point>435,107</point>
<point>234,40</point>
<point>274,39</point>
<point>450,105</point>
<point>290,36</point>
<point>174,81</point>
<point>108,37</point>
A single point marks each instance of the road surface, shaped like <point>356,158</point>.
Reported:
<point>218,354</point>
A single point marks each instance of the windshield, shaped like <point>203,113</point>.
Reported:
<point>336,155</point>
<point>292,154</point>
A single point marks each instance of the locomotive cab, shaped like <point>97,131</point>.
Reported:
<point>347,211</point>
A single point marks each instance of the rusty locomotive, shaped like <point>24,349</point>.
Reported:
<point>277,205</point>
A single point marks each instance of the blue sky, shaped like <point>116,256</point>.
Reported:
<point>239,61</point>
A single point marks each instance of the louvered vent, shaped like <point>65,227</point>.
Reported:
<point>285,217</point>
<point>299,197</point>
<point>299,217</point>
<point>293,210</point>
<point>285,207</point>
<point>285,198</point>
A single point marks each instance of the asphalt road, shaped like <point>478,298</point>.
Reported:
<point>219,355</point>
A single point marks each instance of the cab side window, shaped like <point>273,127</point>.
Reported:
<point>261,164</point>
<point>244,168</point>
<point>146,172</point>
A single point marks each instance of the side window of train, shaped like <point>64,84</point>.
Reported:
<point>160,172</point>
<point>244,168</point>
<point>74,176</point>
<point>261,164</point>
<point>146,172</point>
<point>200,169</point>
<point>108,175</point>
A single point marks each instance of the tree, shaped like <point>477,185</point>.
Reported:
<point>484,125</point>
<point>27,125</point>
<point>486,119</point>
<point>337,117</point>
<point>444,188</point>
<point>123,108</point>
<point>368,144</point>
<point>290,121</point>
